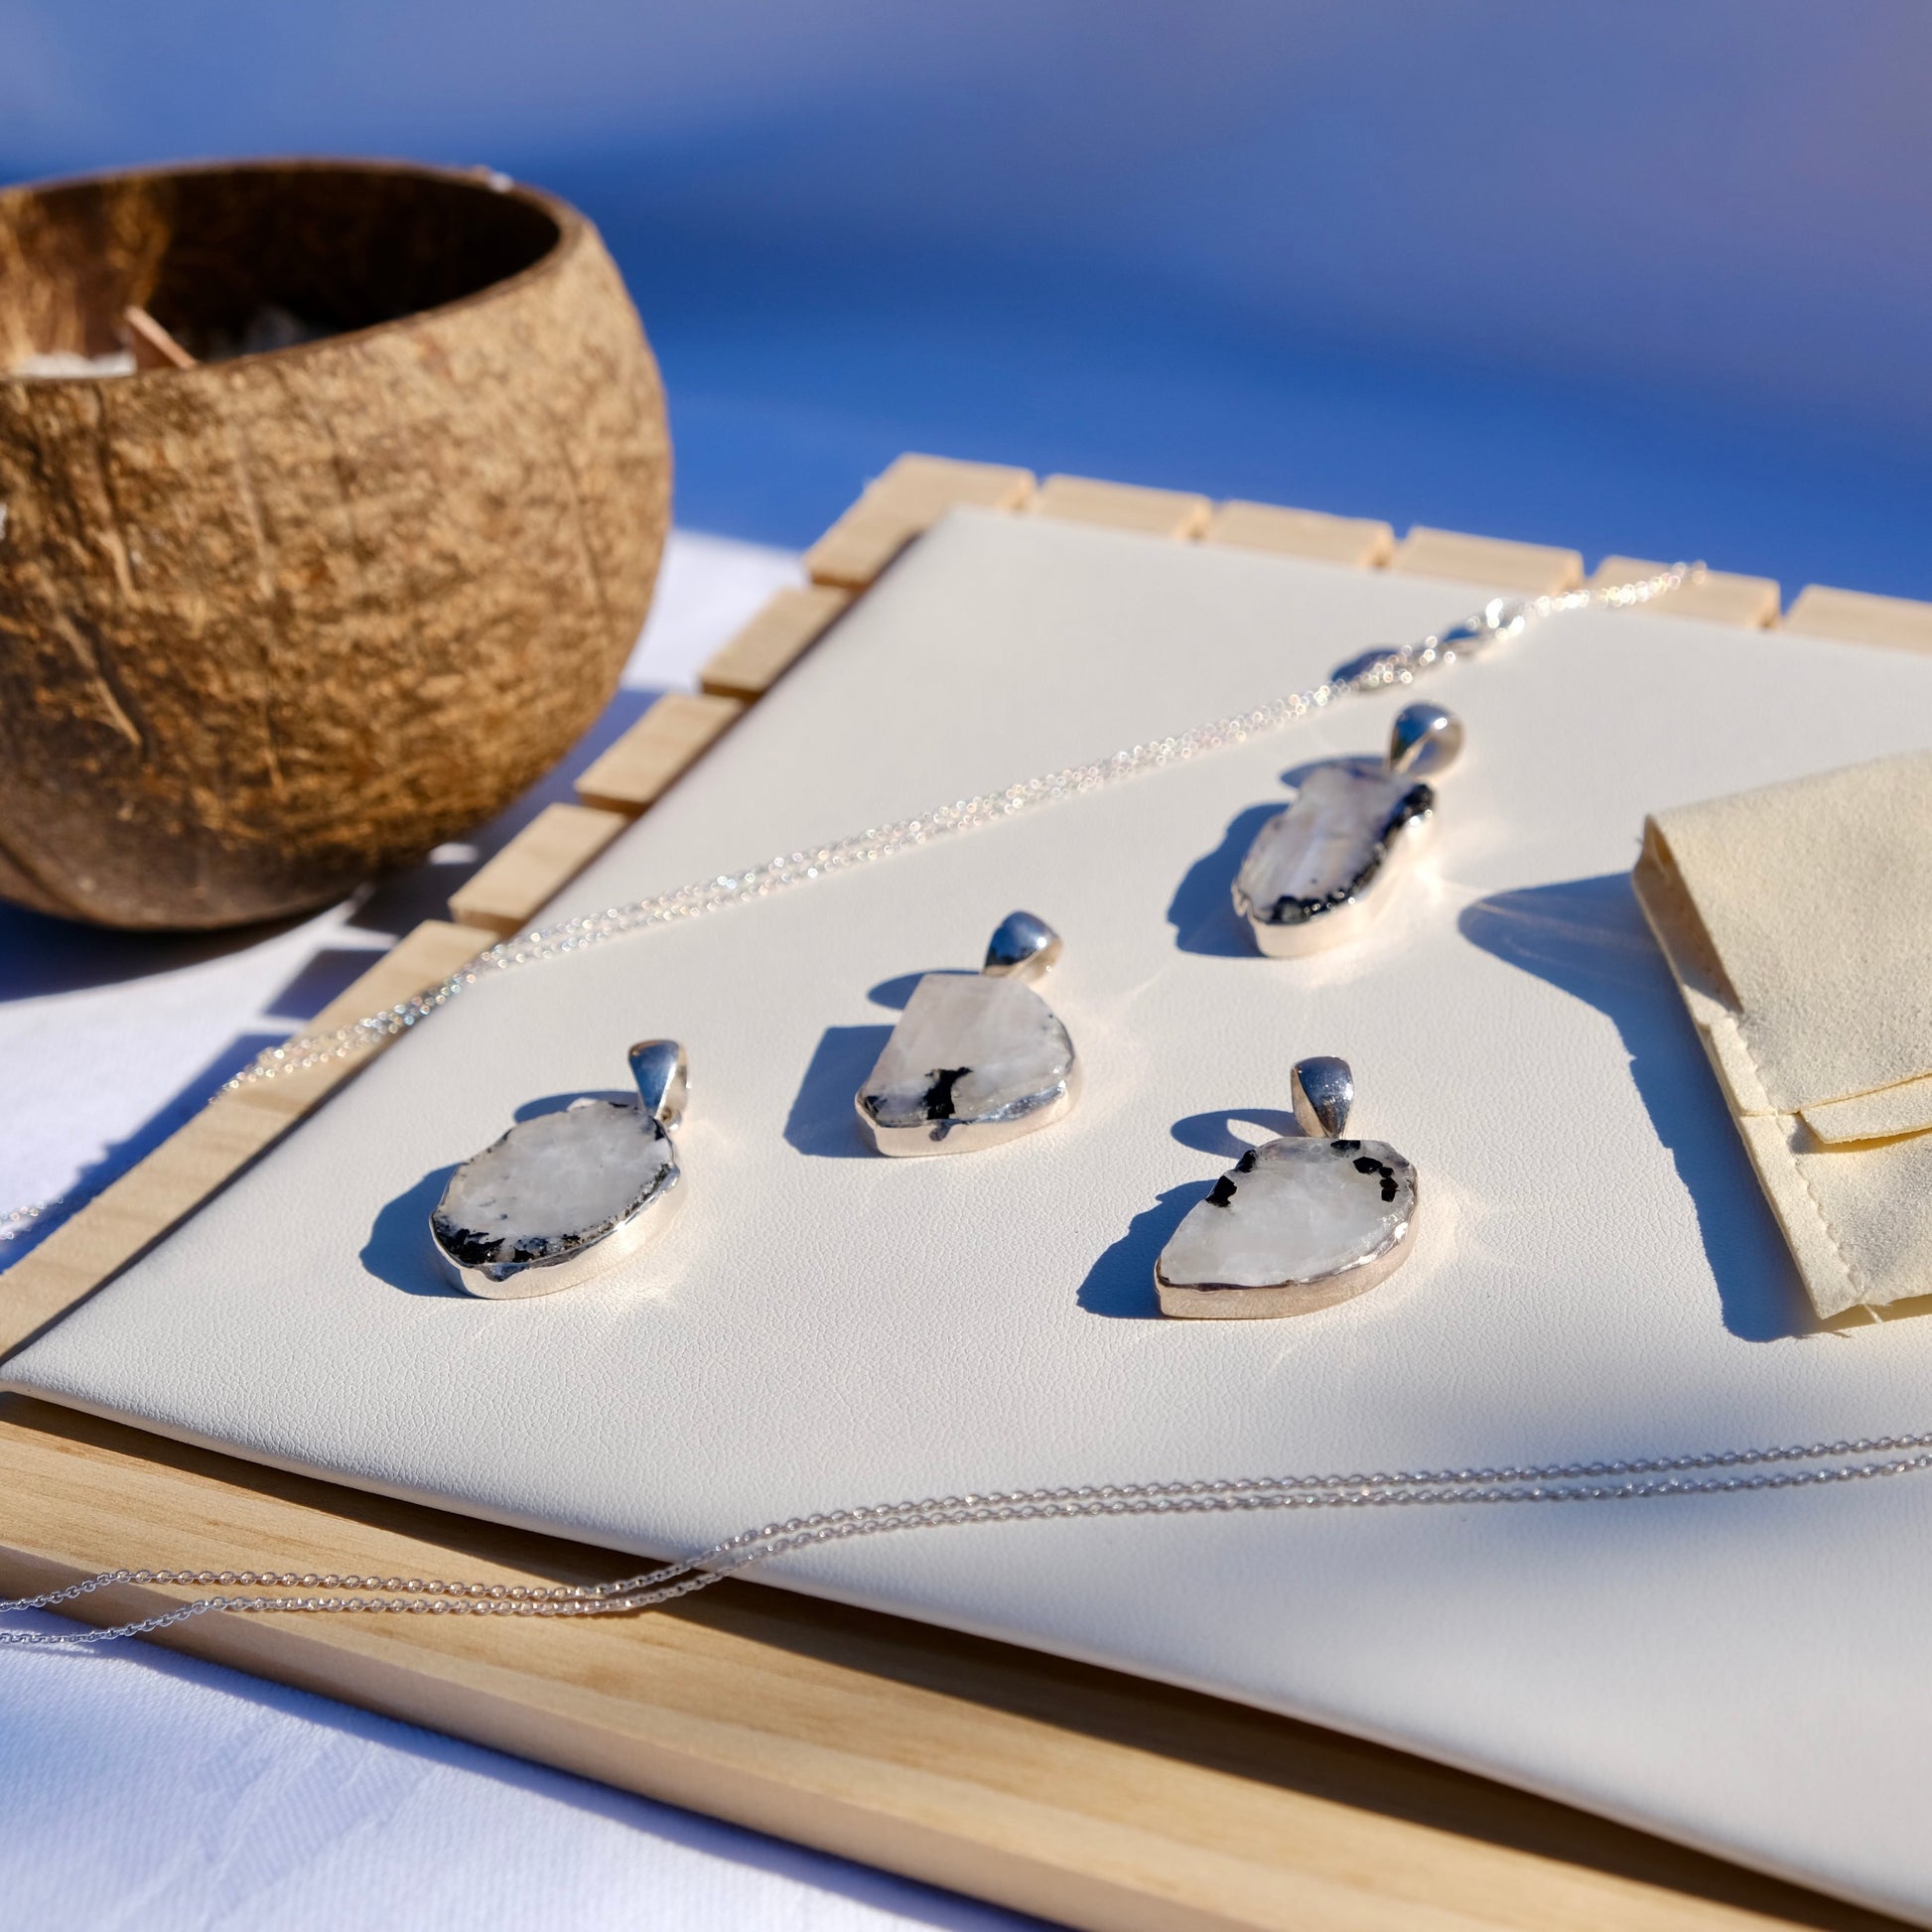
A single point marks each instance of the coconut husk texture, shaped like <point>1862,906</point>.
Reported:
<point>279,621</point>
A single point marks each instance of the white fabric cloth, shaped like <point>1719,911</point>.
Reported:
<point>148,1789</point>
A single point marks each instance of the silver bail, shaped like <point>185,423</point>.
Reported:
<point>1324,1090</point>
<point>664,1080</point>
<point>1423,739</point>
<point>1023,947</point>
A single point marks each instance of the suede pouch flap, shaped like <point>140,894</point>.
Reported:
<point>1814,898</point>
<point>1798,923</point>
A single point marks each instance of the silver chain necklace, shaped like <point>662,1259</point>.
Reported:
<point>1373,670</point>
<point>1610,1481</point>
<point>1604,1482</point>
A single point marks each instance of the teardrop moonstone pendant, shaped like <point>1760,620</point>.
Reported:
<point>1297,1224</point>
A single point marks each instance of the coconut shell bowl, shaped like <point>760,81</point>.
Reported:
<point>347,560</point>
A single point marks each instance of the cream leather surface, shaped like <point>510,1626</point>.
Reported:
<point>1596,1271</point>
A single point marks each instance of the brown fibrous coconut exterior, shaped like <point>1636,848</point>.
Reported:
<point>276,622</point>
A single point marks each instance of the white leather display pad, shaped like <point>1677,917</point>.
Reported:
<point>1595,1274</point>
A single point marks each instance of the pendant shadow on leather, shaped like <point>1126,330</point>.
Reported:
<point>821,1121</point>
<point>1120,1284</point>
<point>1201,911</point>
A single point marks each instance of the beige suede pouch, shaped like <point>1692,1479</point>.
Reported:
<point>1798,922</point>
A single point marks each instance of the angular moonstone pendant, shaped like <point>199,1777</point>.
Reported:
<point>563,1197</point>
<point>1317,871</point>
<point>976,1059</point>
<point>1297,1224</point>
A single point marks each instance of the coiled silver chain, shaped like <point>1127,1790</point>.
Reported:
<point>1729,1474</point>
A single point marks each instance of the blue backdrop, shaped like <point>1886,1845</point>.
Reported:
<point>1652,277</point>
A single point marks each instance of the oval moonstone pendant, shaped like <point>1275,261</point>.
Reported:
<point>1297,1224</point>
<point>976,1059</point>
<point>564,1196</point>
<point>1317,871</point>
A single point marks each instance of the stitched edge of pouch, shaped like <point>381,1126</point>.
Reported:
<point>1711,1002</point>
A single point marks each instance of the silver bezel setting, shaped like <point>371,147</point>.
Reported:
<point>972,1135</point>
<point>1338,921</point>
<point>662,1076</point>
<point>1237,1301</point>
<point>520,1281</point>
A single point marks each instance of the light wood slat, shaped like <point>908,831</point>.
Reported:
<point>1357,540</point>
<point>1751,602</point>
<point>1858,616</point>
<point>1091,1798</point>
<point>504,895</point>
<point>213,1146</point>
<point>642,764</point>
<point>1532,567</point>
<point>790,624</point>
<point>422,957</point>
<point>1123,507</point>
<point>913,493</point>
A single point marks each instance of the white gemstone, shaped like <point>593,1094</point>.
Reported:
<point>553,1186</point>
<point>1327,845</point>
<point>1295,1224</point>
<point>970,1048</point>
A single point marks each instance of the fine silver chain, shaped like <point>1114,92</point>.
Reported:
<point>1729,1473</point>
<point>1373,670</point>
